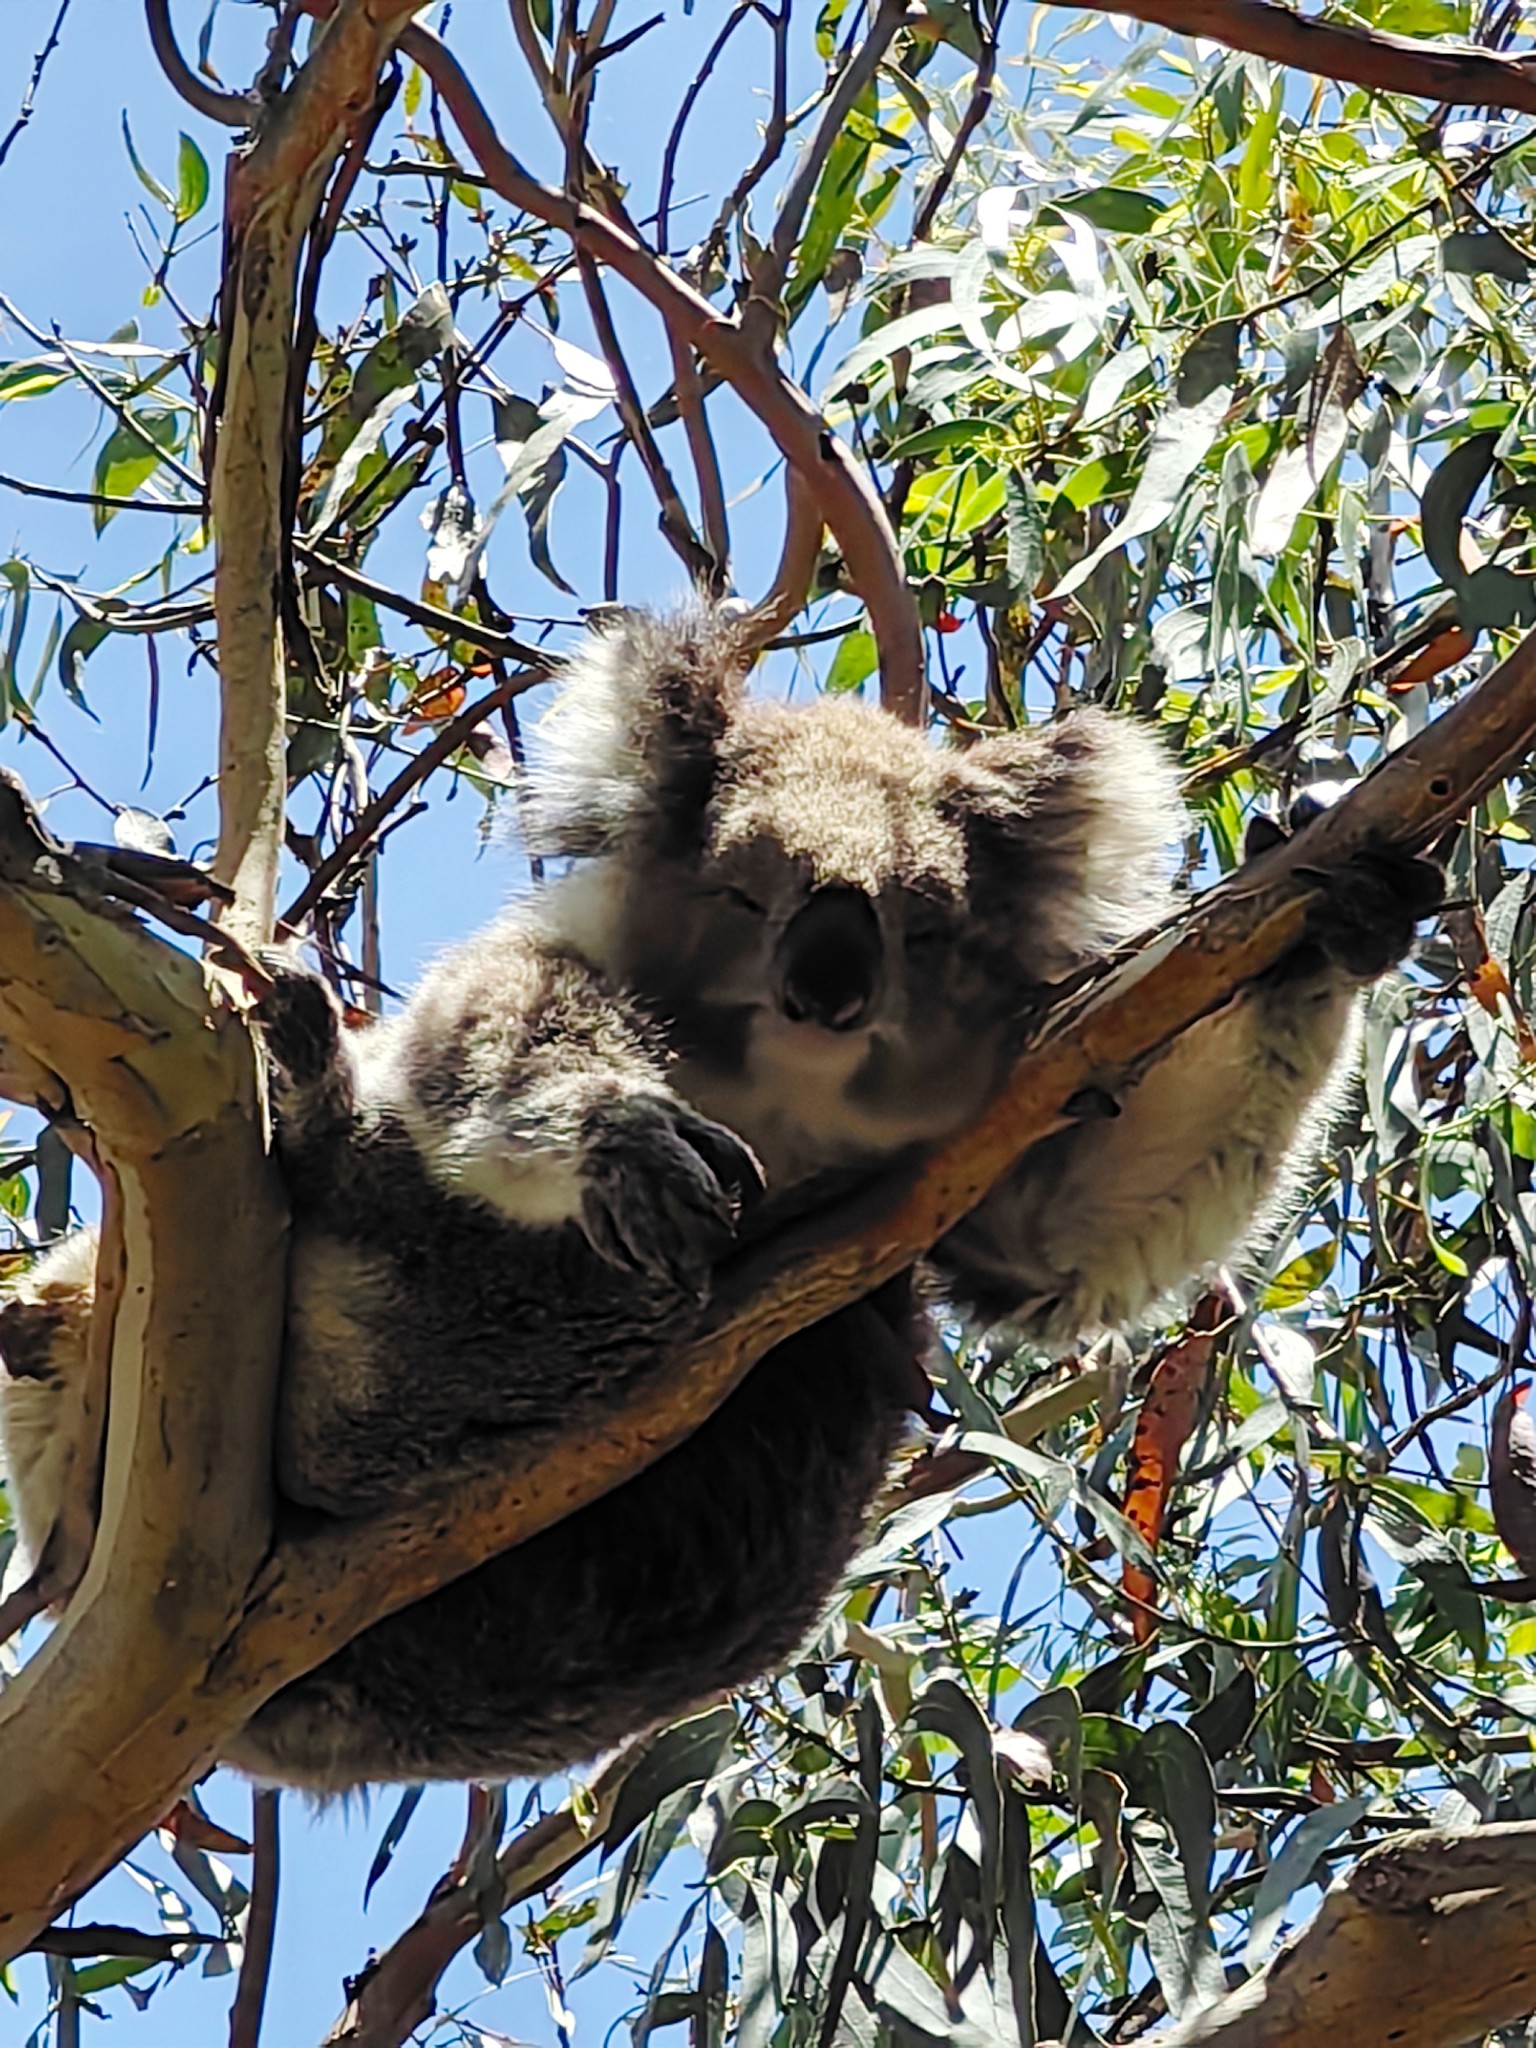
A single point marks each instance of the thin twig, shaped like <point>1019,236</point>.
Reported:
<point>500,646</point>
<point>849,501</point>
<point>977,108</point>
<point>398,1992</point>
<point>696,84</point>
<point>762,312</point>
<point>1453,1404</point>
<point>25,488</point>
<point>676,526</point>
<point>34,80</point>
<point>775,129</point>
<point>420,766</point>
<point>689,387</point>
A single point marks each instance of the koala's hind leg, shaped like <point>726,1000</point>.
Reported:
<point>1099,1221</point>
<point>49,1431</point>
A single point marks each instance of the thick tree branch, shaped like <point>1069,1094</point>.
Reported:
<point>181,1629</point>
<point>163,1074</point>
<point>1357,56</point>
<point>271,198</point>
<point>1428,1942</point>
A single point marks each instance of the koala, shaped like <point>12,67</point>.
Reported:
<point>789,943</point>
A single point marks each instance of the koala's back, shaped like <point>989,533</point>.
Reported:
<point>493,1328</point>
<point>702,1573</point>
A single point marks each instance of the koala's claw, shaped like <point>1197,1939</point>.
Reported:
<point>299,1019</point>
<point>664,1190</point>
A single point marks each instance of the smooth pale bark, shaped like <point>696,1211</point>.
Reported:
<point>1430,1941</point>
<point>271,195</point>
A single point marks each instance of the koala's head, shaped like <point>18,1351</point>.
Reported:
<point>836,920</point>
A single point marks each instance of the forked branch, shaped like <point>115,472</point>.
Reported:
<point>157,1690</point>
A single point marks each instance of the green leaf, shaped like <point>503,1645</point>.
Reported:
<point>1024,529</point>
<point>853,664</point>
<point>1324,429</point>
<point>687,1753</point>
<point>191,180</point>
<point>1493,598</point>
<point>29,380</point>
<point>147,178</point>
<point>1447,498</point>
<point>1180,442</point>
<point>76,648</point>
<point>1484,252</point>
<point>130,456</point>
<point>890,336</point>
<point>934,440</point>
<point>1170,1774</point>
<point>18,576</point>
<point>1116,209</point>
<point>1293,1868</point>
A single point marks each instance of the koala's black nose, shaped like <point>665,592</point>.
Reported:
<point>829,961</point>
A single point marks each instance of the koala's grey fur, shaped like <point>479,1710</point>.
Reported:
<point>803,928</point>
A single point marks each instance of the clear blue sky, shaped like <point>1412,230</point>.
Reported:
<point>66,256</point>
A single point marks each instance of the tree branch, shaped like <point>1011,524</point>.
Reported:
<point>232,109</point>
<point>271,198</point>
<point>397,1993</point>
<point>162,1072</point>
<point>764,310</point>
<point>1438,1928</point>
<point>261,1922</point>
<point>186,1622</point>
<point>1356,56</point>
<point>848,500</point>
<point>374,815</point>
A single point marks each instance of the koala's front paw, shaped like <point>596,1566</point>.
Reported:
<point>663,1188</point>
<point>300,1020</point>
<point>1372,903</point>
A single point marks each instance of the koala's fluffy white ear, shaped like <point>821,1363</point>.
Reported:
<point>631,746</point>
<point>1078,818</point>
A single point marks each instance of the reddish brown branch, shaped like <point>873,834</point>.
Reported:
<point>1355,56</point>
<point>850,503</point>
<point>397,1993</point>
<point>232,109</point>
<point>260,1925</point>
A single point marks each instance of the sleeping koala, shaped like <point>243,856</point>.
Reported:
<point>792,942</point>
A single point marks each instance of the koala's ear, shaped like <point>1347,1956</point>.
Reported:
<point>1068,829</point>
<point>632,745</point>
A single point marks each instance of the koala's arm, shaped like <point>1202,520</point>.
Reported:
<point>499,1207</point>
<point>1101,1220</point>
<point>526,1087</point>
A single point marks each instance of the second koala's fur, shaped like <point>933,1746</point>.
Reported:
<point>800,930</point>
